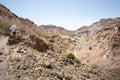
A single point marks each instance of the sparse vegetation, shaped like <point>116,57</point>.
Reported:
<point>4,28</point>
<point>50,39</point>
<point>70,56</point>
<point>115,72</point>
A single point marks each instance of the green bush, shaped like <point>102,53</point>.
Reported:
<point>50,39</point>
<point>70,56</point>
<point>4,28</point>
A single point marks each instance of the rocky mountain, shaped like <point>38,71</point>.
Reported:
<point>10,18</point>
<point>49,52</point>
<point>51,30</point>
<point>99,43</point>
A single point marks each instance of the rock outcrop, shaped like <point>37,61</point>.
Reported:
<point>37,44</point>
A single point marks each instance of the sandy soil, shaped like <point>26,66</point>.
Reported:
<point>3,57</point>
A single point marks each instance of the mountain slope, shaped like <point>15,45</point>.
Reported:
<point>42,53</point>
<point>51,30</point>
<point>99,43</point>
<point>10,18</point>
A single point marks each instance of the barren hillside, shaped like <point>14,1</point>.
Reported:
<point>10,18</point>
<point>99,43</point>
<point>51,30</point>
<point>53,53</point>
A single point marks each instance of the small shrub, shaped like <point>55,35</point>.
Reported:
<point>70,56</point>
<point>50,39</point>
<point>4,28</point>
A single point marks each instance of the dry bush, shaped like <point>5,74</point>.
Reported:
<point>4,28</point>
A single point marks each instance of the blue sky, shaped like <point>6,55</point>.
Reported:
<point>70,14</point>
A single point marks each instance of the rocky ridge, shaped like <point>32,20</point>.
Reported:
<point>99,43</point>
<point>52,30</point>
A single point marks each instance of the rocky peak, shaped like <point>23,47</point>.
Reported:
<point>51,30</point>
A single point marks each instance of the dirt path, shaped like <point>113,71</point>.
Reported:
<point>3,41</point>
<point>3,57</point>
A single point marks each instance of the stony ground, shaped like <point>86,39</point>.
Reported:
<point>22,62</point>
<point>3,57</point>
<point>32,58</point>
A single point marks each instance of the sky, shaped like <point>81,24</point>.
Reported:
<point>70,14</point>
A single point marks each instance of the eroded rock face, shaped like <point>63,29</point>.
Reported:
<point>14,40</point>
<point>99,43</point>
<point>37,43</point>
